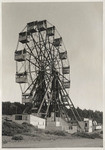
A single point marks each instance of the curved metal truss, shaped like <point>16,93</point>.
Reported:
<point>43,71</point>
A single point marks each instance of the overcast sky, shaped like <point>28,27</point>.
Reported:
<point>80,25</point>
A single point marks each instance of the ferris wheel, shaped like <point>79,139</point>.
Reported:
<point>43,71</point>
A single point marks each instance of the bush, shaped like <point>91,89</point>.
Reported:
<point>96,135</point>
<point>87,135</point>
<point>17,138</point>
<point>56,132</point>
<point>83,134</point>
<point>11,128</point>
<point>101,132</point>
<point>60,133</point>
<point>4,141</point>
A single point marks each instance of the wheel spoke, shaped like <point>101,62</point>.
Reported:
<point>33,54</point>
<point>32,63</point>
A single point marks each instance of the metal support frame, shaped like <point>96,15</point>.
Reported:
<point>46,60</point>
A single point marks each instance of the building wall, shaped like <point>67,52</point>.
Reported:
<point>24,118</point>
<point>60,124</point>
<point>63,124</point>
<point>7,117</point>
<point>38,122</point>
<point>82,125</point>
<point>88,125</point>
<point>34,120</point>
<point>98,127</point>
<point>73,129</point>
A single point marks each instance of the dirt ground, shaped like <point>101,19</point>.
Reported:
<point>31,142</point>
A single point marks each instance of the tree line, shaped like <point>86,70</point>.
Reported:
<point>9,108</point>
<point>94,115</point>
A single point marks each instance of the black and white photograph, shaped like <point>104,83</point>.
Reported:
<point>52,74</point>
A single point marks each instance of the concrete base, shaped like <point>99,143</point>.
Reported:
<point>60,124</point>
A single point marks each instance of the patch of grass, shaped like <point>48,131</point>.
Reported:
<point>87,135</point>
<point>30,134</point>
<point>4,142</point>
<point>12,128</point>
<point>83,135</point>
<point>17,137</point>
<point>96,135</point>
<point>29,127</point>
<point>101,132</point>
<point>56,132</point>
<point>27,124</point>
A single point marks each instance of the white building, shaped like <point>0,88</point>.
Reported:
<point>88,125</point>
<point>32,119</point>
